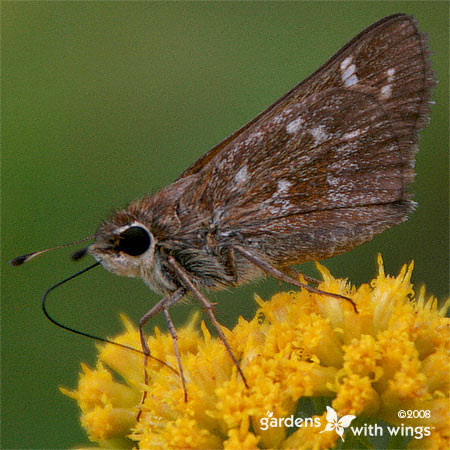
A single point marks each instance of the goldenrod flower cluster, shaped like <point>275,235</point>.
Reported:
<point>392,355</point>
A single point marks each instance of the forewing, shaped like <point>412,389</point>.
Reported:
<point>337,149</point>
<point>365,63</point>
<point>327,166</point>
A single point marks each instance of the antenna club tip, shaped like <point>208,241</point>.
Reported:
<point>19,260</point>
<point>79,254</point>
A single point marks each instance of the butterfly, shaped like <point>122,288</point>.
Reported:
<point>322,170</point>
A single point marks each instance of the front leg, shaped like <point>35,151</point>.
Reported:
<point>208,308</point>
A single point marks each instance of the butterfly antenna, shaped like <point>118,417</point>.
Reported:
<point>19,260</point>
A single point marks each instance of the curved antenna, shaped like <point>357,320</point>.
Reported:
<point>88,335</point>
<point>19,260</point>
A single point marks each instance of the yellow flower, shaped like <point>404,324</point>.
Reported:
<point>300,347</point>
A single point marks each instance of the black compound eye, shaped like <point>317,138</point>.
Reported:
<point>134,241</point>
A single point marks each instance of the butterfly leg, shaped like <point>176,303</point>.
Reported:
<point>162,305</point>
<point>283,277</point>
<point>173,333</point>
<point>208,308</point>
<point>291,272</point>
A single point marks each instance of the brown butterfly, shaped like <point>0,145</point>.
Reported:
<point>322,170</point>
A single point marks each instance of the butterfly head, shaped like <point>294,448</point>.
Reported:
<point>123,248</point>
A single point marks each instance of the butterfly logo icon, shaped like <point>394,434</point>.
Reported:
<point>336,424</point>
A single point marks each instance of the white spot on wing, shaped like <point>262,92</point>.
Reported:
<point>346,63</point>
<point>254,138</point>
<point>352,80</point>
<point>283,186</point>
<point>319,134</point>
<point>348,72</point>
<point>386,90</point>
<point>241,176</point>
<point>294,126</point>
<point>351,135</point>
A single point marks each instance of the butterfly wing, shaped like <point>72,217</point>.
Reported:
<point>326,166</point>
<point>369,51</point>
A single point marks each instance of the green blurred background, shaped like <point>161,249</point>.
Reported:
<point>106,101</point>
